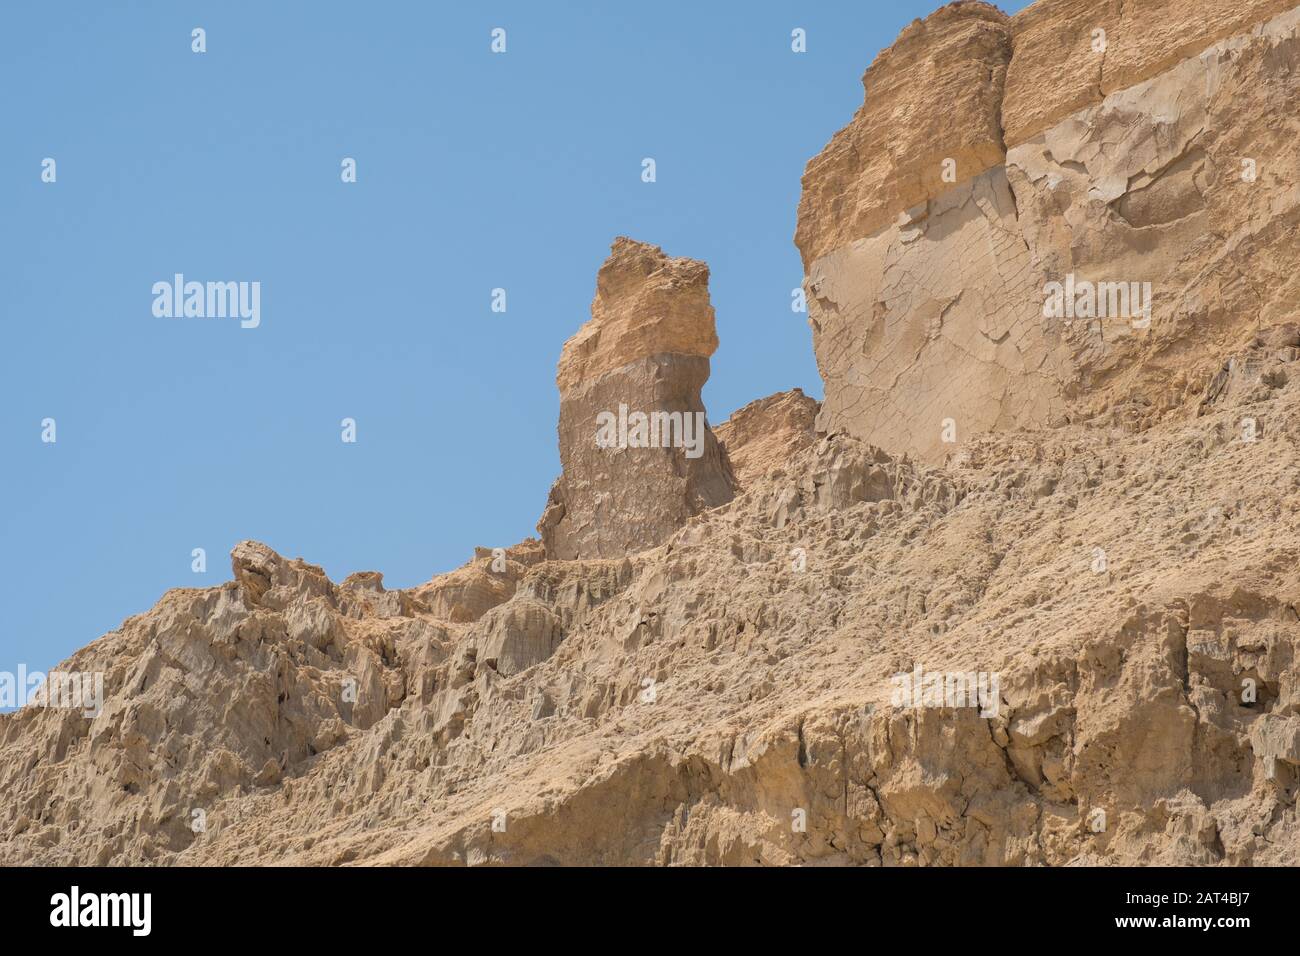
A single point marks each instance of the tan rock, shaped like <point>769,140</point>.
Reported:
<point>472,590</point>
<point>637,454</point>
<point>1055,70</point>
<point>766,434</point>
<point>931,332</point>
<point>933,96</point>
<point>936,328</point>
<point>518,636</point>
<point>1093,592</point>
<point>683,705</point>
<point>1149,186</point>
<point>646,304</point>
<point>1061,65</point>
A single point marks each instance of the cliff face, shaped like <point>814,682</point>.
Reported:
<point>729,697</point>
<point>768,433</point>
<point>1024,589</point>
<point>1136,148</point>
<point>934,95</point>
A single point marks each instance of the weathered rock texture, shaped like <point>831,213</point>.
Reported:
<point>1167,157</point>
<point>1061,66</point>
<point>934,95</point>
<point>646,349</point>
<point>768,433</point>
<point>684,673</point>
<point>680,705</point>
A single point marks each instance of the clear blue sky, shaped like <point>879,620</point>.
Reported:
<point>475,171</point>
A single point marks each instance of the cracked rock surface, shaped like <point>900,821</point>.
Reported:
<point>1174,173</point>
<point>689,703</point>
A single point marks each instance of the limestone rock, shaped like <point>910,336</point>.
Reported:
<point>469,592</point>
<point>767,434</point>
<point>1149,186</point>
<point>646,304</point>
<point>519,635</point>
<point>678,705</point>
<point>1062,64</point>
<point>933,96</point>
<point>935,324</point>
<point>642,358</point>
<point>927,332</point>
<point>1099,574</point>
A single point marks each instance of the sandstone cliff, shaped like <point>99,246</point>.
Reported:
<point>700,661</point>
<point>1139,146</point>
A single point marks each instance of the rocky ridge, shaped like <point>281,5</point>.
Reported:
<point>699,661</point>
<point>644,353</point>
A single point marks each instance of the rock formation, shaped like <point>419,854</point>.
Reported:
<point>637,454</point>
<point>1071,635</point>
<point>1097,144</point>
<point>678,705</point>
<point>768,433</point>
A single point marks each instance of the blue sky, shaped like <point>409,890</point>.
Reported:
<point>475,171</point>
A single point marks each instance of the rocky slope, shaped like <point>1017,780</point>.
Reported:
<point>701,660</point>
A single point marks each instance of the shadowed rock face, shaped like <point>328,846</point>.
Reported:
<point>641,360</point>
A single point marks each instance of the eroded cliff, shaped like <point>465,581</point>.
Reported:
<point>1138,152</point>
<point>731,657</point>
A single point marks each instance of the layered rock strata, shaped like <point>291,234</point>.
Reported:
<point>637,453</point>
<point>706,664</point>
<point>1135,162</point>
